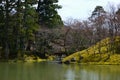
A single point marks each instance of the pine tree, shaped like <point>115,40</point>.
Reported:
<point>1,24</point>
<point>98,12</point>
<point>26,22</point>
<point>18,24</point>
<point>48,15</point>
<point>5,9</point>
<point>30,22</point>
<point>97,19</point>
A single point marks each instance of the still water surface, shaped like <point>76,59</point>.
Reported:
<point>54,71</point>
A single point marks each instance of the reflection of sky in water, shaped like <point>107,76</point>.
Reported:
<point>92,73</point>
<point>85,75</point>
<point>70,75</point>
<point>47,71</point>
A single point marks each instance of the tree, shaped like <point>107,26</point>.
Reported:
<point>48,16</point>
<point>97,19</point>
<point>1,24</point>
<point>5,9</point>
<point>25,26</point>
<point>113,23</point>
<point>30,22</point>
<point>97,12</point>
<point>16,32</point>
<point>117,27</point>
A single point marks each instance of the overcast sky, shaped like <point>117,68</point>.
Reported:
<point>81,9</point>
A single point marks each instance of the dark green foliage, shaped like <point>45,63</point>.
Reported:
<point>48,15</point>
<point>118,12</point>
<point>98,11</point>
<point>18,25</point>
<point>1,25</point>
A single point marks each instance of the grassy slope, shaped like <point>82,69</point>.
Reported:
<point>91,55</point>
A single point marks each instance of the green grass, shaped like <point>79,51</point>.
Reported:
<point>93,56</point>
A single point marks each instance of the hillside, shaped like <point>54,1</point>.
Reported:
<point>106,51</point>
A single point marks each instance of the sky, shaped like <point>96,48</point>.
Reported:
<point>82,9</point>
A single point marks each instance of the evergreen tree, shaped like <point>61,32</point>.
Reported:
<point>6,7</point>
<point>98,19</point>
<point>18,24</point>
<point>1,24</point>
<point>98,12</point>
<point>30,22</point>
<point>26,22</point>
<point>48,15</point>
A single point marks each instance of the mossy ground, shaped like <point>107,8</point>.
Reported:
<point>97,54</point>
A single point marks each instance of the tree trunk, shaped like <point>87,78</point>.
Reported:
<point>6,30</point>
<point>7,51</point>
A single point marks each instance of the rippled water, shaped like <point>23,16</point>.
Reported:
<point>54,71</point>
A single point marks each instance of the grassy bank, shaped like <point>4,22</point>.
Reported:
<point>102,53</point>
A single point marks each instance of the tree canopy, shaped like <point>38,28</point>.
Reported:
<point>48,15</point>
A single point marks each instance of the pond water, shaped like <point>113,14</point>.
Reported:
<point>54,71</point>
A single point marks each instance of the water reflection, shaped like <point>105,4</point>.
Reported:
<point>93,72</point>
<point>70,75</point>
<point>53,71</point>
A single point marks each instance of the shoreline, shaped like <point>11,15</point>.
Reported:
<point>45,60</point>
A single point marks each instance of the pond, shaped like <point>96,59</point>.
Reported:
<point>54,71</point>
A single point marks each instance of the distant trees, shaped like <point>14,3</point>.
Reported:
<point>113,27</point>
<point>98,19</point>
<point>100,25</point>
